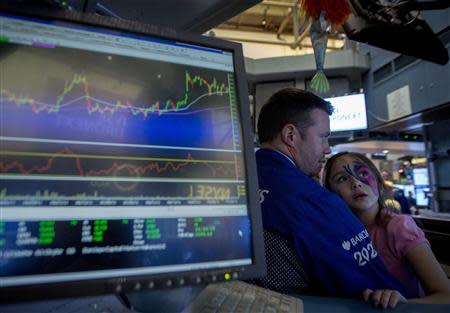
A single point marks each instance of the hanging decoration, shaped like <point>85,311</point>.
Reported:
<point>323,13</point>
<point>336,11</point>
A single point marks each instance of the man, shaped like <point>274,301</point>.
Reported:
<point>399,196</point>
<point>411,200</point>
<point>327,238</point>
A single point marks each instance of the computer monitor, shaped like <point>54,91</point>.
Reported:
<point>420,177</point>
<point>406,189</point>
<point>422,196</point>
<point>127,159</point>
<point>349,113</point>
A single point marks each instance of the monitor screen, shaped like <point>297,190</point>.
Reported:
<point>420,176</point>
<point>127,159</point>
<point>349,113</point>
<point>406,189</point>
<point>422,196</point>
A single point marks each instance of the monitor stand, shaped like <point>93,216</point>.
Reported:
<point>166,300</point>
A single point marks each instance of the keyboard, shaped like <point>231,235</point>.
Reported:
<point>240,297</point>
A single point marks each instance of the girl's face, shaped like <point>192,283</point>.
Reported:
<point>355,182</point>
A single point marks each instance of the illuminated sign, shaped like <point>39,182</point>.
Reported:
<point>349,113</point>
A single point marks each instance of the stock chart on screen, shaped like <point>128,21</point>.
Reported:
<point>104,133</point>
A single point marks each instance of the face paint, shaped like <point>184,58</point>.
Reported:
<point>362,172</point>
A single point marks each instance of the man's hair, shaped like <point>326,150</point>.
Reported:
<point>289,106</point>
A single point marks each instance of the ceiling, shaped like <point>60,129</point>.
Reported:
<point>196,16</point>
<point>270,28</point>
<point>275,25</point>
<point>372,146</point>
<point>276,18</point>
<point>276,22</point>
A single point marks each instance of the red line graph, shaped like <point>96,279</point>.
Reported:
<point>117,168</point>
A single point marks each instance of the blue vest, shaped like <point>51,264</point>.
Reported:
<point>333,244</point>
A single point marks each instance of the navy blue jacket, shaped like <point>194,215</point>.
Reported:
<point>404,203</point>
<point>332,243</point>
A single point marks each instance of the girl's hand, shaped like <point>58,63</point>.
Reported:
<point>384,297</point>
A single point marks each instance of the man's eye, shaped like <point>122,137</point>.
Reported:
<point>341,179</point>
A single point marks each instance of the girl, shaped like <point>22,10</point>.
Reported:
<point>401,244</point>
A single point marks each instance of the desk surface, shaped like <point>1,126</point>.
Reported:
<point>111,304</point>
<point>433,216</point>
<point>96,304</point>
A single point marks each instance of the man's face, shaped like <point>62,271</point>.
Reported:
<point>311,145</point>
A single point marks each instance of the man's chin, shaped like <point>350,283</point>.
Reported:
<point>318,173</point>
<point>315,175</point>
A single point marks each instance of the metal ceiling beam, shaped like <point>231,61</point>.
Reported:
<point>304,34</point>
<point>271,41</point>
<point>284,22</point>
<point>295,28</point>
<point>281,4</point>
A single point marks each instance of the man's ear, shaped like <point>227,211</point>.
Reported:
<point>288,134</point>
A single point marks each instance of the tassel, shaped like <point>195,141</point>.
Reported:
<point>319,83</point>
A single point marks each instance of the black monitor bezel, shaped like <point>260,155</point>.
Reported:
<point>167,280</point>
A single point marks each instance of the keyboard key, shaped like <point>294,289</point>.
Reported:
<point>240,297</point>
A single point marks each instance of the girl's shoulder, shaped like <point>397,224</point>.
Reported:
<point>405,231</point>
<point>400,221</point>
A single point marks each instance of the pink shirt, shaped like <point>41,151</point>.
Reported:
<point>392,242</point>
